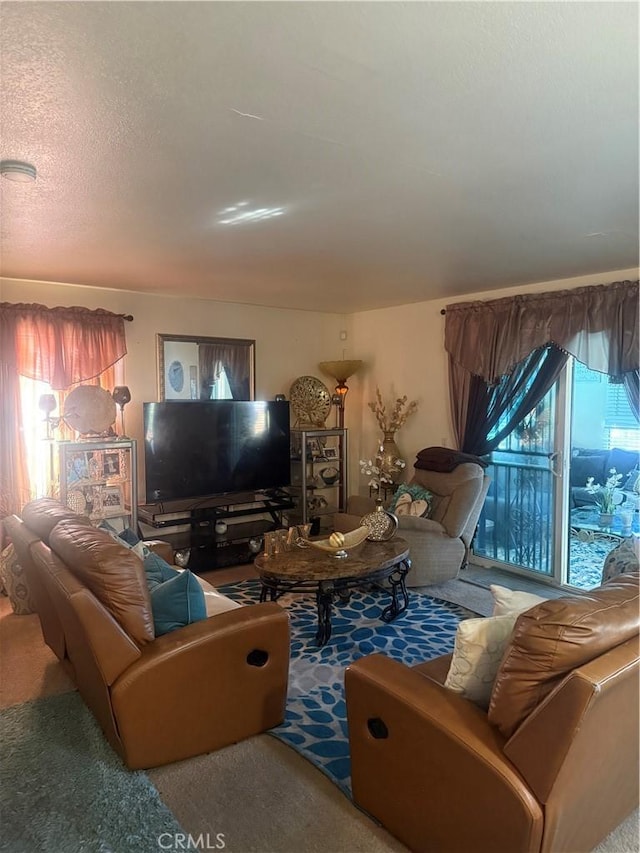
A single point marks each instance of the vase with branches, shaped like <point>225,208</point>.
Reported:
<point>388,458</point>
<point>392,421</point>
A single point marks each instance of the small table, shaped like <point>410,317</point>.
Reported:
<point>309,570</point>
<point>584,523</point>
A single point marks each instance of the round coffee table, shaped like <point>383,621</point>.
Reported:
<point>384,564</point>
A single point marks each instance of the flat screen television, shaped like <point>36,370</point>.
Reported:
<point>196,449</point>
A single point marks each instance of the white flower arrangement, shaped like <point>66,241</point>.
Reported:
<point>605,496</point>
<point>379,469</point>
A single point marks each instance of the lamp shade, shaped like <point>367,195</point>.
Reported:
<point>340,370</point>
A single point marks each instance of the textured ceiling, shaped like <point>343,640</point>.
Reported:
<point>409,150</point>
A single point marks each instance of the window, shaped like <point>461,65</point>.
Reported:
<point>620,425</point>
<point>220,388</point>
<point>41,438</point>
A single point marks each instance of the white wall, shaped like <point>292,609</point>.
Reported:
<point>403,349</point>
<point>288,343</point>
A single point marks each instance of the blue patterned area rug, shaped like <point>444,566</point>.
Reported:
<point>316,718</point>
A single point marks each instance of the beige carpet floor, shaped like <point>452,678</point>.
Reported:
<point>265,797</point>
<point>28,668</point>
<point>260,794</point>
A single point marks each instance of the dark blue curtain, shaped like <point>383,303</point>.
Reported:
<point>510,400</point>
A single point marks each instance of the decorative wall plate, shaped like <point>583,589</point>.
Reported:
<point>77,501</point>
<point>89,408</point>
<point>175,375</point>
<point>310,401</point>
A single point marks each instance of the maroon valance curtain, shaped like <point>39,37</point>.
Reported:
<point>60,346</point>
<point>597,325</point>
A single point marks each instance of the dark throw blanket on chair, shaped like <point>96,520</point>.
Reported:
<point>444,459</point>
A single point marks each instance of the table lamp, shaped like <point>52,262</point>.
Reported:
<point>121,396</point>
<point>47,404</point>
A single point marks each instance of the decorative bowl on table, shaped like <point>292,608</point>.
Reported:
<point>339,544</point>
<point>330,475</point>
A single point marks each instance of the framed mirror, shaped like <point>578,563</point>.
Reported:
<point>198,368</point>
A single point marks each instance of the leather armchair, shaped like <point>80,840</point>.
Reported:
<point>439,545</point>
<point>442,774</point>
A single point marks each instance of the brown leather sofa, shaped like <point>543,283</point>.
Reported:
<point>158,700</point>
<point>551,766</point>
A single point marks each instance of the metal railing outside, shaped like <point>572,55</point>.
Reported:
<point>516,524</point>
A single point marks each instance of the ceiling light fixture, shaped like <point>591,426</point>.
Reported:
<point>17,171</point>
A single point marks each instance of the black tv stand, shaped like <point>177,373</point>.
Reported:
<point>209,549</point>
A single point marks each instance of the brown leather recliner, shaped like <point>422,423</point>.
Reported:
<point>157,699</point>
<point>552,766</point>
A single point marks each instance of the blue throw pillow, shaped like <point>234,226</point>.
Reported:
<point>157,570</point>
<point>129,536</point>
<point>177,602</point>
<point>417,494</point>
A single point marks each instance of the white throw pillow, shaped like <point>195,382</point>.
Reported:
<point>214,601</point>
<point>510,601</point>
<point>479,647</point>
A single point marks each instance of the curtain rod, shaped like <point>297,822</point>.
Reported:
<point>583,289</point>
<point>128,317</point>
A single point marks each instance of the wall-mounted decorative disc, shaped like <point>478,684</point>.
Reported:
<point>310,402</point>
<point>89,409</point>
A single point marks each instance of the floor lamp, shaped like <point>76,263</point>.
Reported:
<point>340,371</point>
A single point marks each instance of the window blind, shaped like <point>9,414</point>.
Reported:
<point>618,412</point>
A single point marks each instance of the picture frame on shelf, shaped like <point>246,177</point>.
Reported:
<point>77,468</point>
<point>95,467</point>
<point>314,448</point>
<point>111,465</point>
<point>330,453</point>
<point>112,501</point>
<point>93,496</point>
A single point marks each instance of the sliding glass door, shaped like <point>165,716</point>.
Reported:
<point>605,445</point>
<point>541,518</point>
<point>519,522</point>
